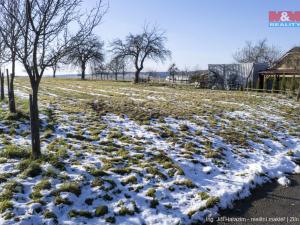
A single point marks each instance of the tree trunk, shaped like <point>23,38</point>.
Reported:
<point>116,76</point>
<point>137,77</point>
<point>83,67</point>
<point>12,103</point>
<point>298,95</point>
<point>10,89</point>
<point>35,123</point>
<point>7,80</point>
<point>54,72</point>
<point>2,86</point>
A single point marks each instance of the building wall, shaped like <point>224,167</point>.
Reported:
<point>233,76</point>
<point>290,62</point>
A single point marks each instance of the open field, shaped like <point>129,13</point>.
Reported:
<point>114,152</point>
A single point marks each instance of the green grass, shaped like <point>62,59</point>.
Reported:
<point>125,211</point>
<point>203,195</point>
<point>69,187</point>
<point>212,201</point>
<point>212,154</point>
<point>59,200</point>
<point>86,214</point>
<point>155,172</point>
<point>129,159</point>
<point>97,172</point>
<point>121,171</point>
<point>14,152</point>
<point>151,192</point>
<point>4,205</point>
<point>34,169</point>
<point>101,210</point>
<point>49,215</point>
<point>43,185</point>
<point>188,183</point>
<point>130,180</point>
<point>3,160</point>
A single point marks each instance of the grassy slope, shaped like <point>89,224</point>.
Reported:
<point>154,148</point>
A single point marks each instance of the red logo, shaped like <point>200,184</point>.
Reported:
<point>284,16</point>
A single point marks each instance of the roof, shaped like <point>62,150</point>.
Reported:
<point>280,72</point>
<point>291,51</point>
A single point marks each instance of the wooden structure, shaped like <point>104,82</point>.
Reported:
<point>235,76</point>
<point>288,65</point>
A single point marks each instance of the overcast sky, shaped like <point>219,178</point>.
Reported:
<point>199,32</point>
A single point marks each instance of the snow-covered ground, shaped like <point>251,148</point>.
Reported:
<point>110,168</point>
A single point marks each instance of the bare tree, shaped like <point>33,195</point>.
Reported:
<point>10,32</point>
<point>150,44</point>
<point>44,34</point>
<point>82,52</point>
<point>259,52</point>
<point>2,51</point>
<point>116,66</point>
<point>55,66</point>
<point>99,69</point>
<point>57,56</point>
<point>173,70</point>
<point>2,61</point>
